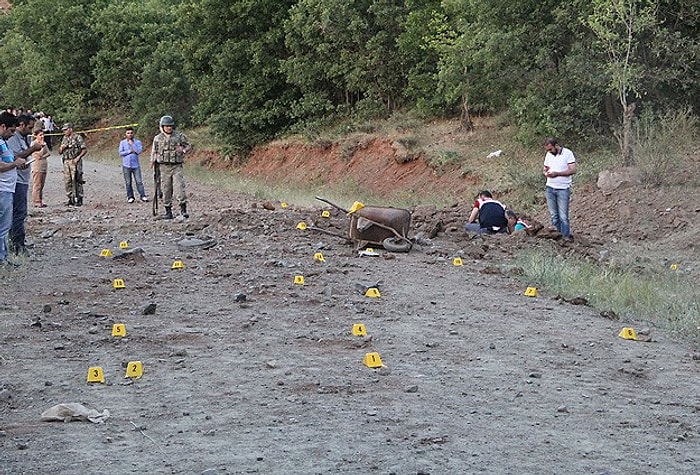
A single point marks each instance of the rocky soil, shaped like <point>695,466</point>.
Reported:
<point>245,371</point>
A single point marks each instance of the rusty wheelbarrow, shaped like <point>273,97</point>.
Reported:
<point>376,225</point>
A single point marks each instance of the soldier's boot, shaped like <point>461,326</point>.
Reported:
<point>168,212</point>
<point>79,201</point>
<point>71,201</point>
<point>183,210</point>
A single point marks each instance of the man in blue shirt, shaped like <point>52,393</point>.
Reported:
<point>19,144</point>
<point>129,150</point>
<point>8,179</point>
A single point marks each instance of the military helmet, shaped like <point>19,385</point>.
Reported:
<point>167,120</point>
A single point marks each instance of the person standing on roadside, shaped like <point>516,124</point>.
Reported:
<point>129,150</point>
<point>559,166</point>
<point>40,167</point>
<point>8,180</point>
<point>73,149</point>
<point>19,144</point>
<point>168,154</point>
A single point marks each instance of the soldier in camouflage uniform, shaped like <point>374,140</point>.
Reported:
<point>73,149</point>
<point>168,154</point>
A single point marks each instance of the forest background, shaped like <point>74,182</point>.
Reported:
<point>596,72</point>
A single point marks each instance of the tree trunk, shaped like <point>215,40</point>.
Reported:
<point>465,119</point>
<point>626,145</point>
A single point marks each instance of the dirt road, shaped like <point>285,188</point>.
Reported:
<point>477,378</point>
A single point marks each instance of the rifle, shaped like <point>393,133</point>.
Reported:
<point>158,192</point>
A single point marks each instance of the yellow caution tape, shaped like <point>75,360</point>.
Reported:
<point>96,130</point>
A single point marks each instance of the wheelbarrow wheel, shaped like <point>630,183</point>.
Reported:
<point>395,244</point>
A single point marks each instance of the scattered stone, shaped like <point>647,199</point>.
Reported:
<point>46,309</point>
<point>48,233</point>
<point>181,352</point>
<point>492,346</point>
<point>609,314</point>
<point>268,206</point>
<point>412,389</point>
<point>59,346</point>
<point>149,309</point>
<point>197,243</point>
<point>5,395</point>
<point>133,255</point>
<point>271,364</point>
<point>3,433</point>
<point>36,323</point>
<point>239,297</point>
<point>93,331</point>
<point>563,409</point>
<point>384,371</point>
<point>48,383</point>
<point>534,375</point>
<point>611,180</point>
<point>22,446</point>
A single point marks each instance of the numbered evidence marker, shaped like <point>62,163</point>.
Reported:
<point>531,292</point>
<point>134,370</point>
<point>301,226</point>
<point>177,265</point>
<point>123,245</point>
<point>457,261</point>
<point>325,214</point>
<point>674,267</point>
<point>299,279</point>
<point>372,292</point>
<point>283,204</point>
<point>372,360</point>
<point>358,329</point>
<point>118,284</point>
<point>118,330</point>
<point>95,375</point>
<point>628,333</point>
<point>105,253</point>
<point>319,257</point>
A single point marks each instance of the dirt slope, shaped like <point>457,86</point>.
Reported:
<point>477,377</point>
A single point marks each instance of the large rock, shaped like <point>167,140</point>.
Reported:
<point>611,180</point>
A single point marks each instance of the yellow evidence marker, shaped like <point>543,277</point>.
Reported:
<point>299,279</point>
<point>123,245</point>
<point>372,360</point>
<point>96,375</point>
<point>118,284</point>
<point>372,292</point>
<point>531,292</point>
<point>177,265</point>
<point>674,267</point>
<point>283,204</point>
<point>457,261</point>
<point>358,329</point>
<point>628,333</point>
<point>301,226</point>
<point>355,206</point>
<point>319,257</point>
<point>119,330</point>
<point>105,253</point>
<point>134,370</point>
<point>325,214</point>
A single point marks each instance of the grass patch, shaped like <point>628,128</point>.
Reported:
<point>668,299</point>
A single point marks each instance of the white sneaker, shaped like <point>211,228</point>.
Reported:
<point>130,200</point>
<point>144,199</point>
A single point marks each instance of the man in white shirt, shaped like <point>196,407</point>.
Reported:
<point>559,166</point>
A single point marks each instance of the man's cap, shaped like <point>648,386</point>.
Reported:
<point>67,125</point>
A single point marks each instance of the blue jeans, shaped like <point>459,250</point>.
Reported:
<point>19,215</point>
<point>136,172</point>
<point>558,204</point>
<point>6,198</point>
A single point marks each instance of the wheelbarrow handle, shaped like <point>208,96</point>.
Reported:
<point>332,204</point>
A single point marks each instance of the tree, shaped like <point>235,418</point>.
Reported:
<point>619,26</point>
